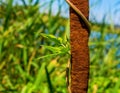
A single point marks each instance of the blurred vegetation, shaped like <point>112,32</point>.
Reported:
<point>35,50</point>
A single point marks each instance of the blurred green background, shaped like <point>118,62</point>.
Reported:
<point>35,49</point>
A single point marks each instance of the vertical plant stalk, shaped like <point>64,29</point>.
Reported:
<point>79,36</point>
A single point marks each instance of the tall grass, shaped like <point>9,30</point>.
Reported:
<point>34,51</point>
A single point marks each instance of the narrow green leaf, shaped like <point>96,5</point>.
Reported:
<point>49,80</point>
<point>8,13</point>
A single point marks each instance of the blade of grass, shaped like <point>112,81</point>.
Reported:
<point>23,1</point>
<point>48,80</point>
<point>40,76</point>
<point>25,56</point>
<point>8,13</point>
<point>49,55</point>
<point>36,2</point>
<point>0,49</point>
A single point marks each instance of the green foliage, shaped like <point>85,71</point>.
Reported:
<point>35,49</point>
<point>105,60</point>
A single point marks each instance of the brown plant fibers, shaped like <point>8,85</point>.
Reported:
<point>79,36</point>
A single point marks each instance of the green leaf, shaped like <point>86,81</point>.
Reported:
<point>49,80</point>
<point>52,38</point>
<point>8,13</point>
